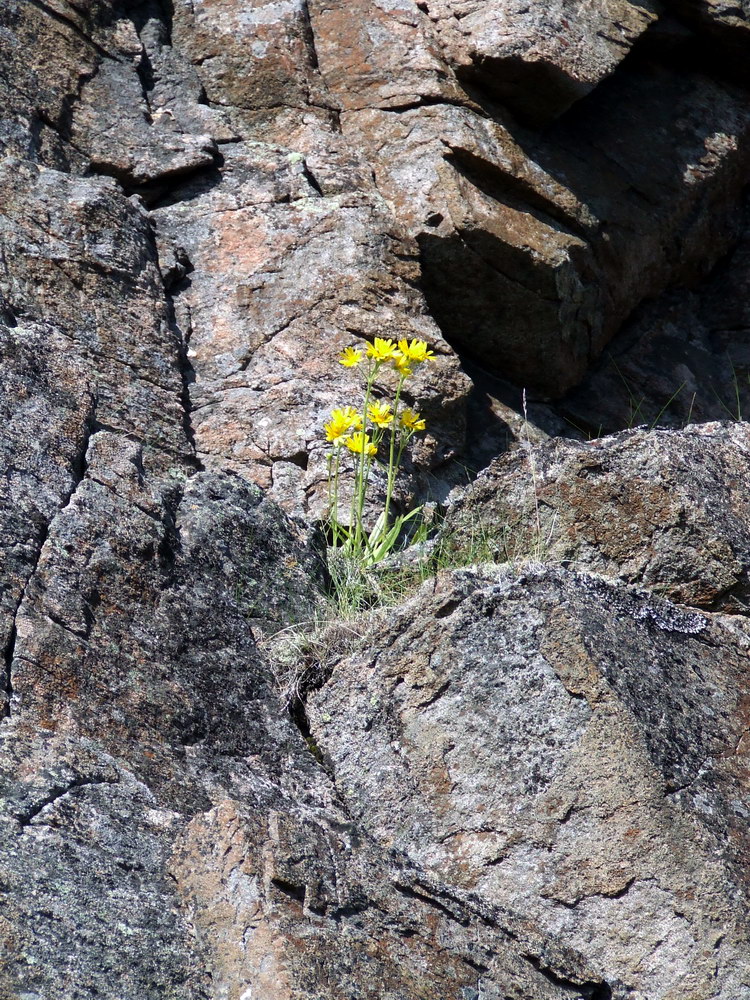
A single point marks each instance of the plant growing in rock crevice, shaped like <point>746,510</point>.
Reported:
<point>380,425</point>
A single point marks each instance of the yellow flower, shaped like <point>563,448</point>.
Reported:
<point>416,351</point>
<point>401,364</point>
<point>350,357</point>
<point>412,421</point>
<point>382,350</point>
<point>342,421</point>
<point>380,414</point>
<point>361,444</point>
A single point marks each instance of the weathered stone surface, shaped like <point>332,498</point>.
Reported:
<point>251,56</point>
<point>532,787</point>
<point>542,740</point>
<point>282,278</point>
<point>100,90</point>
<point>46,58</point>
<point>552,242</point>
<point>664,509</point>
<point>165,830</point>
<point>79,257</point>
<point>538,59</point>
<point>382,55</point>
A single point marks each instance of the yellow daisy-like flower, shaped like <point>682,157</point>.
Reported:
<point>380,414</point>
<point>350,357</point>
<point>360,444</point>
<point>381,349</point>
<point>401,364</point>
<point>411,421</point>
<point>342,421</point>
<point>416,351</point>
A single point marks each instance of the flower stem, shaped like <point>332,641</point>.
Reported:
<point>393,465</point>
<point>362,469</point>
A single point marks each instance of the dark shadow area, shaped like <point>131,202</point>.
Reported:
<point>182,188</point>
<point>681,358</point>
<point>141,12</point>
<point>533,91</point>
<point>494,304</point>
<point>638,224</point>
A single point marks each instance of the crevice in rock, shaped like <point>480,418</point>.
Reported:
<point>8,654</point>
<point>311,179</point>
<point>156,187</point>
<point>668,341</point>
<point>70,24</point>
<point>56,793</point>
<point>586,990</point>
<point>78,466</point>
<point>514,191</point>
<point>531,91</point>
<point>61,623</point>
<point>453,913</point>
<point>616,894</point>
<point>8,315</point>
<point>300,459</point>
<point>170,544</point>
<point>295,892</point>
<point>192,186</point>
<point>298,715</point>
<point>425,101</point>
<point>181,341</point>
<point>309,36</point>
<point>684,43</point>
<point>143,12</point>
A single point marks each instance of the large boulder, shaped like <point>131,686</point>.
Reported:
<point>538,59</point>
<point>165,829</point>
<point>569,749</point>
<point>663,509</point>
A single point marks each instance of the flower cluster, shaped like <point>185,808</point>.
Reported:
<point>362,431</point>
<point>346,425</point>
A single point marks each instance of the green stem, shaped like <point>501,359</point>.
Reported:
<point>362,467</point>
<point>337,532</point>
<point>393,466</point>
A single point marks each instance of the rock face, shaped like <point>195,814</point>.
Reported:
<point>525,781</point>
<point>667,510</point>
<point>504,730</point>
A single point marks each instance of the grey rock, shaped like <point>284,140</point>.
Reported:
<point>539,59</point>
<point>664,509</point>
<point>529,786</point>
<point>561,746</point>
<point>166,832</point>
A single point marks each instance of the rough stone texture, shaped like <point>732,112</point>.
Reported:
<point>538,59</point>
<point>530,787</point>
<point>559,745</point>
<point>684,357</point>
<point>291,255</point>
<point>664,509</point>
<point>553,240</point>
<point>283,277</point>
<point>166,832</point>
